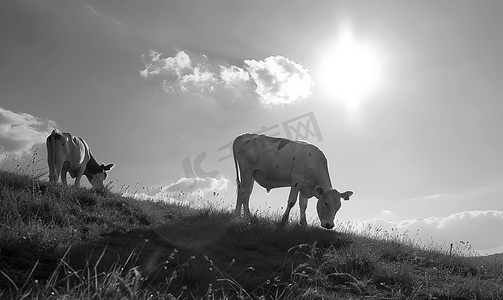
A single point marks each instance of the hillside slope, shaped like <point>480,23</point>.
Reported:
<point>63,242</point>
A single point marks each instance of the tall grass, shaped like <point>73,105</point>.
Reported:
<point>61,242</point>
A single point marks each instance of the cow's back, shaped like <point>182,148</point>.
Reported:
<point>264,150</point>
<point>273,161</point>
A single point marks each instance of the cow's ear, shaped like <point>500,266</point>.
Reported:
<point>318,191</point>
<point>108,167</point>
<point>346,195</point>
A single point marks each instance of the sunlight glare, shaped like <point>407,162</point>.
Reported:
<point>349,71</point>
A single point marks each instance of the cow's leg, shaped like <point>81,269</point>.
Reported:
<point>53,177</point>
<point>63,177</point>
<point>303,206</point>
<point>58,171</point>
<point>246,200</point>
<point>292,198</point>
<point>80,172</point>
<point>50,160</point>
<point>239,203</point>
<point>243,195</point>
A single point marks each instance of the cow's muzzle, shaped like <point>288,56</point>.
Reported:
<point>327,225</point>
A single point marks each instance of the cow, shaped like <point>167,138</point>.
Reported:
<point>69,153</point>
<point>278,162</point>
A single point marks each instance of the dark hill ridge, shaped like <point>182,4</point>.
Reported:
<point>496,259</point>
<point>64,242</point>
<point>497,256</point>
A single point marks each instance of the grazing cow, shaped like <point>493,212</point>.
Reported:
<point>70,153</point>
<point>277,162</point>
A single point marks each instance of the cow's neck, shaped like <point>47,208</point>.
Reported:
<point>322,175</point>
<point>93,167</point>
<point>324,181</point>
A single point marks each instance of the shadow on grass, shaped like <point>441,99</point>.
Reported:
<point>232,254</point>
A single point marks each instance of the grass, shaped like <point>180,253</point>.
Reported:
<point>76,243</point>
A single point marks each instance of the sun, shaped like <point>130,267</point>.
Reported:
<point>349,71</point>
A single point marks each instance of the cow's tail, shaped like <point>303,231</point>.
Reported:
<point>238,181</point>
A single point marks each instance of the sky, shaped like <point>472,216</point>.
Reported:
<point>404,99</point>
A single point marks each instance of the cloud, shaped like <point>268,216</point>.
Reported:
<point>233,75</point>
<point>200,79</point>
<point>185,190</point>
<point>165,66</point>
<point>197,184</point>
<point>274,81</point>
<point>20,131</point>
<point>279,80</point>
<point>180,72</point>
<point>105,16</point>
<point>482,229</point>
<point>466,193</point>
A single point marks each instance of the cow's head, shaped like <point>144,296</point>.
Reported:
<point>97,179</point>
<point>329,202</point>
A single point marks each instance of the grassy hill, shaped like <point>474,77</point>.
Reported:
<point>75,243</point>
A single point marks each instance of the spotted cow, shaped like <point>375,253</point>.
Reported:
<point>278,162</point>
